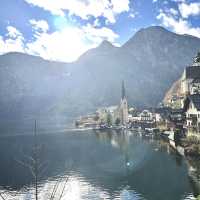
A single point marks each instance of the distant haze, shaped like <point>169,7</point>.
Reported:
<point>148,63</point>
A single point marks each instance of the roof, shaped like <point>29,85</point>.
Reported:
<point>196,80</point>
<point>192,72</point>
<point>195,99</point>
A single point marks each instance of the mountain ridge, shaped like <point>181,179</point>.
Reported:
<point>149,62</point>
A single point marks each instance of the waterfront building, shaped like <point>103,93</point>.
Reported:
<point>146,116</point>
<point>190,78</point>
<point>158,117</point>
<point>177,118</point>
<point>192,112</point>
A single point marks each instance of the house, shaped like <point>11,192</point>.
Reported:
<point>195,86</point>
<point>190,75</point>
<point>192,112</point>
<point>158,117</point>
<point>146,116</point>
<point>177,115</point>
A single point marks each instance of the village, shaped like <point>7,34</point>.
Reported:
<point>177,119</point>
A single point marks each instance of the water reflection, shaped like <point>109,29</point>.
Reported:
<point>99,165</point>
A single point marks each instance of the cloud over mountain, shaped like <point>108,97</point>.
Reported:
<point>84,8</point>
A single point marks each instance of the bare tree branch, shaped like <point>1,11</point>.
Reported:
<point>2,196</point>
<point>64,187</point>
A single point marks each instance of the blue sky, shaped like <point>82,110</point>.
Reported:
<point>64,29</point>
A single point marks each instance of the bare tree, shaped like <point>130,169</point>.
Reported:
<point>37,168</point>
<point>35,161</point>
<point>2,196</point>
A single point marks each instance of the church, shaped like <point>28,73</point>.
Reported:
<point>118,114</point>
<point>122,110</point>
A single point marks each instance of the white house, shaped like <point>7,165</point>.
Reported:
<point>158,117</point>
<point>146,116</point>
<point>192,111</point>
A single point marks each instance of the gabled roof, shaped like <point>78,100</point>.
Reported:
<point>196,80</point>
<point>195,99</point>
<point>192,72</point>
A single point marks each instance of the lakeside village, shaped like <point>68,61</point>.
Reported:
<point>177,120</point>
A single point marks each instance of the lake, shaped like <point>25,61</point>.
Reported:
<point>93,165</point>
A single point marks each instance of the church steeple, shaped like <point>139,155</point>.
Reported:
<point>123,106</point>
<point>123,90</point>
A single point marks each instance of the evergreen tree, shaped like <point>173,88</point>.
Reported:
<point>109,120</point>
<point>117,122</point>
<point>77,123</point>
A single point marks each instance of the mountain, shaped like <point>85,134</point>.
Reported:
<point>149,62</point>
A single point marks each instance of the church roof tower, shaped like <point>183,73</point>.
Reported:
<point>123,90</point>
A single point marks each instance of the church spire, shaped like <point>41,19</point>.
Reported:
<point>123,90</point>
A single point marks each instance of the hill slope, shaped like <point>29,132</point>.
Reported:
<point>149,63</point>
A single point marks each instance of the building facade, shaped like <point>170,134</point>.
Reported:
<point>192,112</point>
<point>190,79</point>
<point>146,116</point>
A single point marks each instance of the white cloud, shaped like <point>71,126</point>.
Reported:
<point>84,8</point>
<point>173,11</point>
<point>97,23</point>
<point>179,25</point>
<point>96,35</point>
<point>51,6</point>
<point>14,41</point>
<point>178,1</point>
<point>120,6</point>
<point>40,25</point>
<point>69,43</point>
<point>188,10</point>
<point>132,15</point>
<point>62,45</point>
<point>12,32</point>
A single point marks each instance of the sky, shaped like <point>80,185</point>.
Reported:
<point>62,30</point>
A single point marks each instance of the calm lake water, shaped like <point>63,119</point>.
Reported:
<point>95,165</point>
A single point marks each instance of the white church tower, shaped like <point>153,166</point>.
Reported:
<point>123,107</point>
